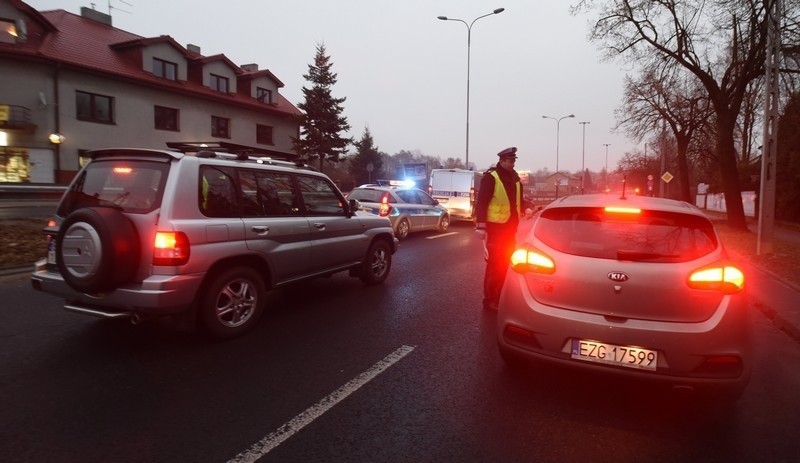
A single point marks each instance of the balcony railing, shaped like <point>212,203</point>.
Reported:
<point>13,117</point>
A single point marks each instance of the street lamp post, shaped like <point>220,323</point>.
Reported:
<point>583,155</point>
<point>606,171</point>
<point>558,136</point>
<point>469,40</point>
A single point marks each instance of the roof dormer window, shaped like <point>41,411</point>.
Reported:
<point>8,31</point>
<point>263,95</point>
<point>165,69</point>
<point>218,83</point>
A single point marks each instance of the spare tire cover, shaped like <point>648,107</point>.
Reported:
<point>97,249</point>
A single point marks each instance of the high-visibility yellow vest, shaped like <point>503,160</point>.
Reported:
<point>499,206</point>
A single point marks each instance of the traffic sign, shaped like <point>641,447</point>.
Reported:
<point>667,177</point>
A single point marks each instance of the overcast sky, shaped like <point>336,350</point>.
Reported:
<point>404,72</point>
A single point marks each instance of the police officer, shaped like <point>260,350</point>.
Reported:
<point>497,213</point>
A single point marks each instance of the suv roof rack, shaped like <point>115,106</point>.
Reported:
<point>243,156</point>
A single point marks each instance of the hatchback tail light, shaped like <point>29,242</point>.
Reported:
<point>532,260</point>
<point>385,208</point>
<point>721,277</point>
<point>170,248</point>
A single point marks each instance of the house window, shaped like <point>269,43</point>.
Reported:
<point>94,108</point>
<point>264,135</point>
<point>220,127</point>
<point>165,69</point>
<point>263,95</point>
<point>14,166</point>
<point>219,83</point>
<point>166,118</point>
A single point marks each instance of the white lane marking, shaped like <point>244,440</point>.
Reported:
<point>440,236</point>
<point>297,423</point>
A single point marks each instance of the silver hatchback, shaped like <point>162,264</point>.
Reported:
<point>640,287</point>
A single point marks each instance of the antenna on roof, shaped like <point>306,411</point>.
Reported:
<point>111,7</point>
<point>624,181</point>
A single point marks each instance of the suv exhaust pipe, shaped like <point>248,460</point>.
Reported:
<point>94,312</point>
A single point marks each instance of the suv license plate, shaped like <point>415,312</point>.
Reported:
<point>625,356</point>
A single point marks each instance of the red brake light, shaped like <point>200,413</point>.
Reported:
<point>721,277</point>
<point>623,210</point>
<point>170,248</point>
<point>385,208</point>
<point>532,261</point>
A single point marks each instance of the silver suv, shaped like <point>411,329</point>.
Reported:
<point>143,233</point>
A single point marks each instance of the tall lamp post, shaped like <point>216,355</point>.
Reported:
<point>583,155</point>
<point>606,145</point>
<point>558,136</point>
<point>469,40</point>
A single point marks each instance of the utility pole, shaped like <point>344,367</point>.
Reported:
<point>766,195</point>
<point>583,156</point>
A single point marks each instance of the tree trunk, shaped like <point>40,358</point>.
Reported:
<point>683,169</point>
<point>726,155</point>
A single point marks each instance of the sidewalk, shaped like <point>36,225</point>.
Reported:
<point>775,297</point>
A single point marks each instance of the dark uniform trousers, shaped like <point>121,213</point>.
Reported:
<point>500,243</point>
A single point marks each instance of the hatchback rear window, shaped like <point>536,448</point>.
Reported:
<point>652,236</point>
<point>369,196</point>
<point>128,185</point>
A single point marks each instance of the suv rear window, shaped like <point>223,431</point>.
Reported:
<point>652,236</point>
<point>129,185</point>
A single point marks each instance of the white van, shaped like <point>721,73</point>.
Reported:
<point>456,189</point>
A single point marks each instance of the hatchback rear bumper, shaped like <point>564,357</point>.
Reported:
<point>691,354</point>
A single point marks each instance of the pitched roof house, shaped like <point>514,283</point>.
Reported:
<point>72,82</point>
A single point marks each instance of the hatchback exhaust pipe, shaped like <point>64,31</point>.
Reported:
<point>684,389</point>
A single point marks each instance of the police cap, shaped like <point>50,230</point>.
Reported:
<point>508,153</point>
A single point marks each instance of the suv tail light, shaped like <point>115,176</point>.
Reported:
<point>170,248</point>
<point>525,260</point>
<point>721,277</point>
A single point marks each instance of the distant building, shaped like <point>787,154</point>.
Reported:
<point>70,83</point>
<point>567,184</point>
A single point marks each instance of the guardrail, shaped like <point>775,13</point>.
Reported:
<point>31,192</point>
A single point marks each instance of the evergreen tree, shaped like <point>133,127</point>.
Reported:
<point>322,122</point>
<point>367,154</point>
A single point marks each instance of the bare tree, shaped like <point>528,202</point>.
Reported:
<point>666,96</point>
<point>721,42</point>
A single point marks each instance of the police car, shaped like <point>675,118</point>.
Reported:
<point>409,209</point>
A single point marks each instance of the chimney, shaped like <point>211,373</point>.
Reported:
<point>249,67</point>
<point>95,15</point>
<point>193,49</point>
